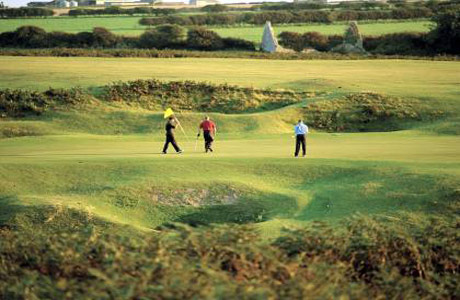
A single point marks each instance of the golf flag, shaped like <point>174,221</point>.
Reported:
<point>169,112</point>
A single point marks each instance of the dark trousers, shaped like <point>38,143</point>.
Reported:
<point>208,139</point>
<point>170,139</point>
<point>300,140</point>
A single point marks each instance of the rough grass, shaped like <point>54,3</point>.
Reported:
<point>62,253</point>
<point>126,25</point>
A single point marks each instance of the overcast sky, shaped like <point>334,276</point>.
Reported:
<point>17,3</point>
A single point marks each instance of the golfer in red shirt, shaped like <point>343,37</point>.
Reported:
<point>209,132</point>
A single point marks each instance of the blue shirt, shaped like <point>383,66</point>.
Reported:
<point>301,128</point>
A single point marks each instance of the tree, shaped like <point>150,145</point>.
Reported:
<point>162,37</point>
<point>445,37</point>
<point>104,38</point>
<point>30,37</point>
<point>203,39</point>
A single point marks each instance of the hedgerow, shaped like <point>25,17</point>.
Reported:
<point>62,253</point>
<point>168,53</point>
<point>288,17</point>
<point>160,37</point>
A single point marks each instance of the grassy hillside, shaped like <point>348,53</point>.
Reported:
<point>130,26</point>
<point>433,80</point>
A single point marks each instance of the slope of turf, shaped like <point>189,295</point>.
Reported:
<point>433,80</point>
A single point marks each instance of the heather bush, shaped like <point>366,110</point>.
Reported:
<point>57,252</point>
<point>22,103</point>
<point>367,112</point>
<point>196,96</point>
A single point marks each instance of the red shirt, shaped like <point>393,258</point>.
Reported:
<point>208,125</point>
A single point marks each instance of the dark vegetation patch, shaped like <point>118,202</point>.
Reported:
<point>60,253</point>
<point>196,96</point>
<point>21,103</point>
<point>368,112</point>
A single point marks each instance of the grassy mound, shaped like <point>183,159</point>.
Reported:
<point>204,97</point>
<point>61,253</point>
<point>135,107</point>
<point>368,112</point>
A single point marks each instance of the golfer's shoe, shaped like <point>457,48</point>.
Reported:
<point>163,152</point>
<point>180,151</point>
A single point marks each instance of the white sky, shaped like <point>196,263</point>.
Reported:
<point>17,3</point>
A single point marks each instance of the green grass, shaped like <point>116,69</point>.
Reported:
<point>392,173</point>
<point>130,26</point>
<point>435,81</point>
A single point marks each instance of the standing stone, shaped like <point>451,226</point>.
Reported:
<point>353,36</point>
<point>352,41</point>
<point>269,41</point>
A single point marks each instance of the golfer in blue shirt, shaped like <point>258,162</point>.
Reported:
<point>301,131</point>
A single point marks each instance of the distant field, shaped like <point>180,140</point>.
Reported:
<point>130,26</point>
<point>434,80</point>
<point>255,33</point>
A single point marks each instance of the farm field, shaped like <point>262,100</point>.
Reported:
<point>90,208</point>
<point>130,26</point>
<point>255,33</point>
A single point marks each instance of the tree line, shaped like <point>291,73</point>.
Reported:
<point>25,12</point>
<point>115,10</point>
<point>160,37</point>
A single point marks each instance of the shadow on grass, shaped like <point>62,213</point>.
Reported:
<point>9,207</point>
<point>243,212</point>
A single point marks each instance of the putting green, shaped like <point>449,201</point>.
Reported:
<point>371,173</point>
